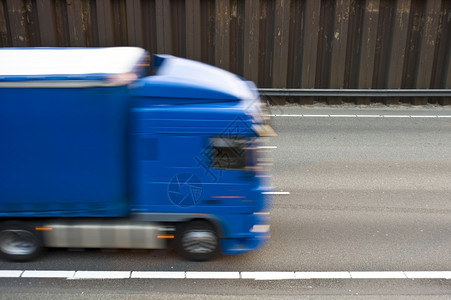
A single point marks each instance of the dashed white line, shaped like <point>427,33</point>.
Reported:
<point>276,193</point>
<point>226,275</point>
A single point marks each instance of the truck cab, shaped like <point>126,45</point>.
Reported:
<point>196,136</point>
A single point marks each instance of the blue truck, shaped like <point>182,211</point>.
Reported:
<point>109,148</point>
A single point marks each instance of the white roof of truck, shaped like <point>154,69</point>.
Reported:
<point>60,64</point>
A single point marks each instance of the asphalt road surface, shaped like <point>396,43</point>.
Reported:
<point>362,207</point>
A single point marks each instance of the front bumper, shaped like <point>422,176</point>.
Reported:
<point>242,245</point>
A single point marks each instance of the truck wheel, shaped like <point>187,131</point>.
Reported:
<point>19,242</point>
<point>198,241</point>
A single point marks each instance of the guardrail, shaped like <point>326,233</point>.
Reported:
<point>389,96</point>
<point>356,92</point>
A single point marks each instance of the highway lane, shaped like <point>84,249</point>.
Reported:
<point>365,194</point>
<point>368,193</point>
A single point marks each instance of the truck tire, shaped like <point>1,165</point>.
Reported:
<point>19,241</point>
<point>198,241</point>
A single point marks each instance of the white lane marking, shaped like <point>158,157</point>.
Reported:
<point>377,275</point>
<point>322,275</point>
<point>361,116</point>
<point>420,116</point>
<point>10,273</point>
<point>276,193</point>
<point>159,274</point>
<point>268,275</point>
<point>48,274</point>
<point>370,116</point>
<point>212,275</point>
<point>253,275</point>
<point>291,115</point>
<point>428,275</point>
<point>102,275</point>
<point>267,147</point>
<point>395,116</point>
<point>343,116</point>
<point>307,116</point>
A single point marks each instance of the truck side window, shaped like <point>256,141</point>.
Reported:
<point>229,153</point>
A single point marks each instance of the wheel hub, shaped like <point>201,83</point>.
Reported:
<point>199,241</point>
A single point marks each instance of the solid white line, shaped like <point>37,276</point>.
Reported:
<point>213,275</point>
<point>159,274</point>
<point>267,147</point>
<point>377,275</point>
<point>429,275</point>
<point>268,275</point>
<point>48,274</point>
<point>322,275</point>
<point>395,116</point>
<point>370,116</point>
<point>10,273</point>
<point>256,275</point>
<point>102,275</point>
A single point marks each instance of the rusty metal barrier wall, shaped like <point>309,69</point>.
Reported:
<point>305,44</point>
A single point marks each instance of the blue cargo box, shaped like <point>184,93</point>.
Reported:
<point>63,130</point>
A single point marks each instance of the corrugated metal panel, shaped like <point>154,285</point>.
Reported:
<point>376,44</point>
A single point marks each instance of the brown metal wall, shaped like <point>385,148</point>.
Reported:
<point>276,43</point>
